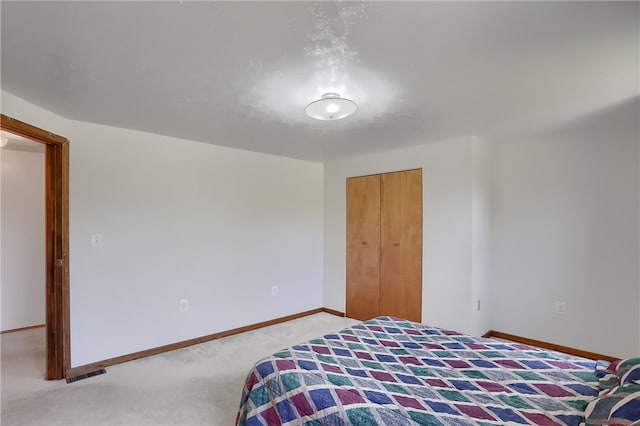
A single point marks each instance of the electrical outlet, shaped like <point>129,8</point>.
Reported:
<point>561,308</point>
<point>184,305</point>
<point>274,290</point>
<point>478,305</point>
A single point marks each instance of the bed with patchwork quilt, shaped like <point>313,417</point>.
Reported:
<point>389,371</point>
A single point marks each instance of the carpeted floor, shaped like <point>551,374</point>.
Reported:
<point>198,385</point>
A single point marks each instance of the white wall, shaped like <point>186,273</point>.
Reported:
<point>20,109</point>
<point>181,220</point>
<point>447,184</point>
<point>23,239</point>
<point>565,227</point>
<point>482,305</point>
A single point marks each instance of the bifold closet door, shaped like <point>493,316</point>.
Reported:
<point>401,245</point>
<point>363,247</point>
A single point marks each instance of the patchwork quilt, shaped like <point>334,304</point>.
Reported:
<point>389,371</point>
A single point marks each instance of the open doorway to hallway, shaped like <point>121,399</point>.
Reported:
<point>56,157</point>
<point>23,252</point>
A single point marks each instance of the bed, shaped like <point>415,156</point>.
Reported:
<point>390,371</point>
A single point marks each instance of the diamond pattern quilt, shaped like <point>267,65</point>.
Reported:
<point>389,371</point>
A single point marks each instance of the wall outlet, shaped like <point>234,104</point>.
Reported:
<point>184,305</point>
<point>478,305</point>
<point>561,308</point>
<point>274,290</point>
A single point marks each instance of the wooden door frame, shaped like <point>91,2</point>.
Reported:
<point>57,242</point>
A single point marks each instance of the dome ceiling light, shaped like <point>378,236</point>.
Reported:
<point>331,107</point>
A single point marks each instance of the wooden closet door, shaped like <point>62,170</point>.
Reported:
<point>363,247</point>
<point>401,245</point>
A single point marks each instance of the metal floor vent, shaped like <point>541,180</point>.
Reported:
<point>86,375</point>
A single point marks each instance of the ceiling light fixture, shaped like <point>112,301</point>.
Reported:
<point>331,107</point>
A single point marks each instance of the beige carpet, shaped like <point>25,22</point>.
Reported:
<point>198,385</point>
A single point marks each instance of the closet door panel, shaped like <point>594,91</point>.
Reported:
<point>401,245</point>
<point>363,247</point>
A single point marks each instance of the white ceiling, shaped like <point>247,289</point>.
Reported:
<point>240,74</point>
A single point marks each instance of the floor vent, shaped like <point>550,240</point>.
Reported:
<point>86,375</point>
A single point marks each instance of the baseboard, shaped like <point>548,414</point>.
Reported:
<point>84,369</point>
<point>333,312</point>
<point>547,345</point>
<point>31,327</point>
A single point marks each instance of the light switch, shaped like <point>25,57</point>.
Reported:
<point>97,241</point>
<point>561,308</point>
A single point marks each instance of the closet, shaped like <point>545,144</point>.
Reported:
<point>384,245</point>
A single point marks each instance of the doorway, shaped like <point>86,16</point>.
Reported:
<point>58,359</point>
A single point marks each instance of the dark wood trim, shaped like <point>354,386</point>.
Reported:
<point>333,312</point>
<point>83,369</point>
<point>62,242</point>
<point>551,346</point>
<point>57,241</point>
<point>31,327</point>
<point>33,133</point>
